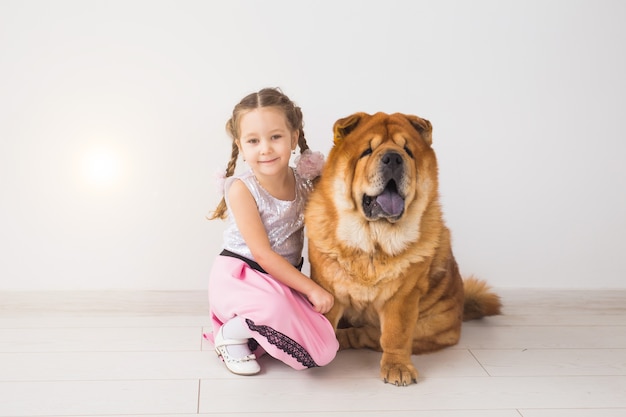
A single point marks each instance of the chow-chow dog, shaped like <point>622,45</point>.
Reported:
<point>378,242</point>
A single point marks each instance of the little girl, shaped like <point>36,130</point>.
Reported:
<point>259,300</point>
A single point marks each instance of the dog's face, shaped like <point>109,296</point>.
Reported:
<point>384,173</point>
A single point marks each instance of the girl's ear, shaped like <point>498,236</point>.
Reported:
<point>240,151</point>
<point>294,140</point>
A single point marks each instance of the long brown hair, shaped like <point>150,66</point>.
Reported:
<point>267,97</point>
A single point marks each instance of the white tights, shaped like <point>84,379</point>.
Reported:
<point>236,328</point>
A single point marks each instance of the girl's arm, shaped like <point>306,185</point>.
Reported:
<point>244,209</point>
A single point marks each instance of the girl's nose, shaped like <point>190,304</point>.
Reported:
<point>265,146</point>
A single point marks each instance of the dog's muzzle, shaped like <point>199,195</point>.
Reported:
<point>389,203</point>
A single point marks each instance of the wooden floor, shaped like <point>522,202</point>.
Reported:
<point>142,354</point>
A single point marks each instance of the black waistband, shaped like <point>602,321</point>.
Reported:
<point>253,264</point>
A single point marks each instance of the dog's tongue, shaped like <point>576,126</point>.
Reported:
<point>391,203</point>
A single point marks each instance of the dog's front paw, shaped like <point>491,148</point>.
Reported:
<point>400,374</point>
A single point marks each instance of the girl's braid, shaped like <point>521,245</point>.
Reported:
<point>220,210</point>
<point>300,126</point>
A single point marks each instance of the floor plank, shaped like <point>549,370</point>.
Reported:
<point>563,307</point>
<point>552,362</point>
<point>569,412</point>
<point>68,320</point>
<point>109,303</point>
<point>63,398</point>
<point>103,366</point>
<point>100,339</point>
<point>470,393</point>
<point>486,335</point>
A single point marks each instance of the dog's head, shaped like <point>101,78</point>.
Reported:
<point>380,176</point>
<point>384,155</point>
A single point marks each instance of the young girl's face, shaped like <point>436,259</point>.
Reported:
<point>266,141</point>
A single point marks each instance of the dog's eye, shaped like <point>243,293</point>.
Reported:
<point>366,152</point>
<point>408,151</point>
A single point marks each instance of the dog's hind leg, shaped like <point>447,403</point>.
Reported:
<point>436,342</point>
<point>436,331</point>
<point>359,337</point>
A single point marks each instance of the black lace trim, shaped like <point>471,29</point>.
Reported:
<point>284,343</point>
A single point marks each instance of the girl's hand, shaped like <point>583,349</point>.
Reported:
<point>321,299</point>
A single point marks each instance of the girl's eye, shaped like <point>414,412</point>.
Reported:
<point>253,140</point>
<point>276,137</point>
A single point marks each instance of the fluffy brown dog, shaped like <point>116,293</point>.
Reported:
<point>378,243</point>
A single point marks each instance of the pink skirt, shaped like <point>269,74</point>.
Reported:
<point>282,320</point>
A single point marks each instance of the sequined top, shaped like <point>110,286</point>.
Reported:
<point>283,220</point>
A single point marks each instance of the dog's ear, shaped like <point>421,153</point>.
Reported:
<point>346,125</point>
<point>423,126</point>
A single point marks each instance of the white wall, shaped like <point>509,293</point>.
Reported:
<point>527,99</point>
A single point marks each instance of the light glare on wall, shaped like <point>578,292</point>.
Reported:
<point>101,166</point>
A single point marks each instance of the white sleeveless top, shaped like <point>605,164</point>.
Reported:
<point>283,220</point>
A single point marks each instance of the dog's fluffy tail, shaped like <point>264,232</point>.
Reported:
<point>480,300</point>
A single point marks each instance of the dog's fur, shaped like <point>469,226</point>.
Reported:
<point>378,243</point>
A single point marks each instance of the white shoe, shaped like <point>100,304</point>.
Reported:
<point>240,366</point>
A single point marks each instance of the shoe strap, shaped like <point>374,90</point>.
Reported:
<point>228,342</point>
<point>247,358</point>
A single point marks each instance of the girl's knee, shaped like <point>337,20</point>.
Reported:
<point>326,356</point>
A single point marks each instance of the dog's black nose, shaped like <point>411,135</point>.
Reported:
<point>392,159</point>
<point>392,165</point>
